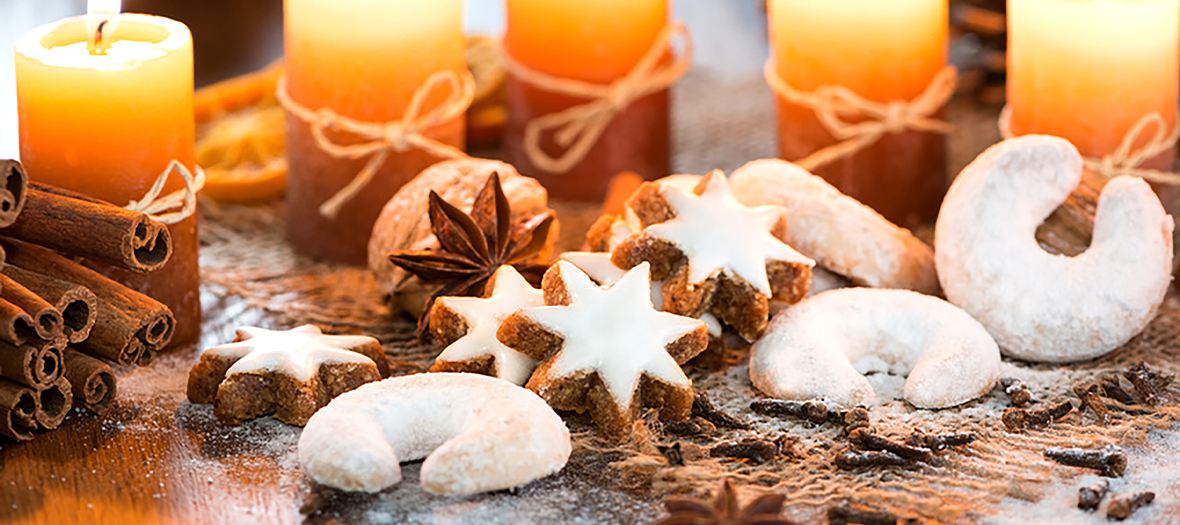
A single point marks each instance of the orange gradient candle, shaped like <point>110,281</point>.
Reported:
<point>884,52</point>
<point>595,41</point>
<point>107,122</point>
<point>1089,70</point>
<point>363,59</point>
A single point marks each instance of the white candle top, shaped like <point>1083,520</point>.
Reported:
<point>136,39</point>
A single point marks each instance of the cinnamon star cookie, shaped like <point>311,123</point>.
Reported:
<point>467,325</point>
<point>289,374</point>
<point>715,254</point>
<point>606,351</point>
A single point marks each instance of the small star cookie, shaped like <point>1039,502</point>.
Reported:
<point>467,325</point>
<point>289,374</point>
<point>606,351</point>
<point>715,254</point>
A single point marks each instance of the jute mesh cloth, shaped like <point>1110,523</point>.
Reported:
<point>245,256</point>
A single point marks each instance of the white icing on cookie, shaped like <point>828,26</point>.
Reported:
<point>599,267</point>
<point>477,433</point>
<point>484,315</point>
<point>820,348</point>
<point>297,352</point>
<point>719,234</point>
<point>614,331</point>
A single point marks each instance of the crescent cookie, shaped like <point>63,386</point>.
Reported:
<point>839,232</point>
<point>821,347</point>
<point>715,254</point>
<point>606,351</point>
<point>477,434</point>
<point>1038,306</point>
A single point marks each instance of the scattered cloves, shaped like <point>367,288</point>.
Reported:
<point>672,454</point>
<point>850,459</point>
<point>1108,461</point>
<point>865,439</point>
<point>814,411</point>
<point>1090,496</point>
<point>1141,378</point>
<point>316,500</point>
<point>1017,391</point>
<point>856,418</point>
<point>703,408</point>
<point>695,426</point>
<point>938,442</point>
<point>1113,388</point>
<point>1018,418</point>
<point>757,451</point>
<point>1120,508</point>
<point>847,515</point>
<point>1092,399</point>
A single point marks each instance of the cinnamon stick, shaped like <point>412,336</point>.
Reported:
<point>56,402</point>
<point>18,407</point>
<point>77,304</point>
<point>128,323</point>
<point>37,365</point>
<point>86,227</point>
<point>91,380</point>
<point>13,183</point>
<point>16,327</point>
<point>46,318</point>
<point>1068,230</point>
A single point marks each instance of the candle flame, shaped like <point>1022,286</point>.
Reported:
<point>101,23</point>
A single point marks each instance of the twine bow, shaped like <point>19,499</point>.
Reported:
<point>578,128</point>
<point>382,138</point>
<point>1125,160</point>
<point>153,204</point>
<point>833,103</point>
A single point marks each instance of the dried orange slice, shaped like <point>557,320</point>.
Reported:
<point>242,138</point>
<point>486,117</point>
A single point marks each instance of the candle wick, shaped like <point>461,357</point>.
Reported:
<point>97,46</point>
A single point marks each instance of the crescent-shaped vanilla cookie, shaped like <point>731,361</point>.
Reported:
<point>1039,306</point>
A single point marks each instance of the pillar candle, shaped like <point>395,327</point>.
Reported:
<point>363,59</point>
<point>882,51</point>
<point>108,124</point>
<point>595,41</point>
<point>1088,70</point>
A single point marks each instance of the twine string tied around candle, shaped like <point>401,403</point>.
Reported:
<point>1126,158</point>
<point>154,205</point>
<point>577,129</point>
<point>379,139</point>
<point>834,104</point>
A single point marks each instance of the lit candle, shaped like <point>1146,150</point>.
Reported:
<point>105,105</point>
<point>595,41</point>
<point>1089,70</point>
<point>883,52</point>
<point>362,59</point>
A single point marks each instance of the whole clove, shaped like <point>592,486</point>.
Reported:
<point>847,515</point>
<point>1113,388</point>
<point>938,442</point>
<point>1017,391</point>
<point>1120,508</point>
<point>856,418</point>
<point>672,453</point>
<point>1110,461</point>
<point>1092,399</point>
<point>814,411</point>
<point>850,459</point>
<point>757,451</point>
<point>695,426</point>
<point>703,408</point>
<point>1141,378</point>
<point>1019,419</point>
<point>1090,496</point>
<point>865,439</point>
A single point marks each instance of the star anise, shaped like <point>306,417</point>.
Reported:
<point>475,245</point>
<point>765,510</point>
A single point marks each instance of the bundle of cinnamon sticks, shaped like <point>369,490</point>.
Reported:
<point>61,321</point>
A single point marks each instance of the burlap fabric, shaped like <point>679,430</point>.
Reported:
<point>245,257</point>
